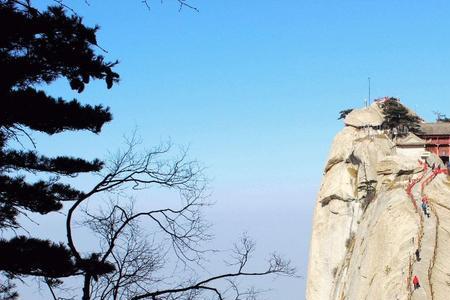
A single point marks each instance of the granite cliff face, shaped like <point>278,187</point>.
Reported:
<point>370,235</point>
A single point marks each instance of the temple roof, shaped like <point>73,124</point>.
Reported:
<point>440,128</point>
<point>410,140</point>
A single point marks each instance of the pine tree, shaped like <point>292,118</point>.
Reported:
<point>398,117</point>
<point>344,113</point>
<point>36,48</point>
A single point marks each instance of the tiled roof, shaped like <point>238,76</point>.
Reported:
<point>410,140</point>
<point>440,128</point>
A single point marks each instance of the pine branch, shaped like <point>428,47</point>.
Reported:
<point>41,197</point>
<point>32,108</point>
<point>30,256</point>
<point>31,161</point>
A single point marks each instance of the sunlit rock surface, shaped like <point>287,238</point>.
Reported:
<point>368,221</point>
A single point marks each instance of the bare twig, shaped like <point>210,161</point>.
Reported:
<point>276,266</point>
<point>180,231</point>
<point>181,3</point>
<point>48,283</point>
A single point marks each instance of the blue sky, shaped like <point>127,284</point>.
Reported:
<point>254,88</point>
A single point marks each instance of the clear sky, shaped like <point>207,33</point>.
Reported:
<point>254,88</point>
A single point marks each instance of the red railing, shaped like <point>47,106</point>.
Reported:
<point>432,176</point>
<point>415,181</point>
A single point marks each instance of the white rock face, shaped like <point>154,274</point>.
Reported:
<point>371,116</point>
<point>367,228</point>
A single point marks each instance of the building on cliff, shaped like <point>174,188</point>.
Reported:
<point>411,145</point>
<point>437,138</point>
<point>368,225</point>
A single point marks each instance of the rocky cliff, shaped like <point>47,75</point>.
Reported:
<point>370,234</point>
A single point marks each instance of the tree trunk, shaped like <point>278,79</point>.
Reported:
<point>87,287</point>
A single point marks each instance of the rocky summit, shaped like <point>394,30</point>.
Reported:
<point>381,227</point>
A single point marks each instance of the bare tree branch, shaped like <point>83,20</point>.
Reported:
<point>137,262</point>
<point>276,266</point>
<point>128,169</point>
<point>180,232</point>
<point>181,3</point>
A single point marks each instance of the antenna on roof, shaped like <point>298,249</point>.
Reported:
<point>368,78</point>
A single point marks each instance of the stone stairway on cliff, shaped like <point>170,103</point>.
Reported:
<point>426,238</point>
<point>366,228</point>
